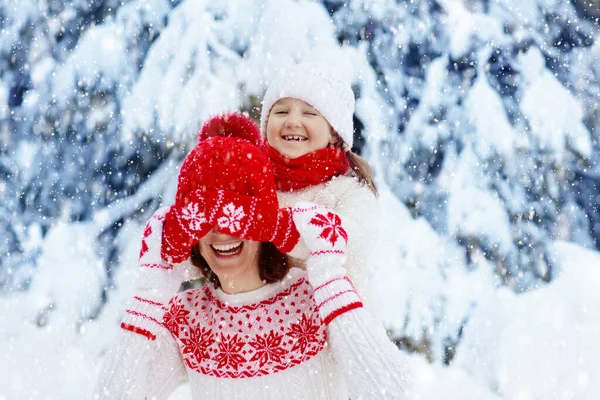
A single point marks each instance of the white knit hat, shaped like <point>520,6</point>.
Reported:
<point>314,84</point>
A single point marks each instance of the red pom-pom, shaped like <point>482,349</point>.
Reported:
<point>231,125</point>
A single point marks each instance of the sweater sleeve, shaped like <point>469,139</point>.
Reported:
<point>145,362</point>
<point>373,367</point>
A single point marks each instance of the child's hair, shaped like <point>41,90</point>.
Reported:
<point>359,166</point>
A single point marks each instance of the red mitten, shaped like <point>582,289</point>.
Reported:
<point>252,218</point>
<point>185,224</point>
<point>323,233</point>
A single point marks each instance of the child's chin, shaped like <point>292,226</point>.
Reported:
<point>294,153</point>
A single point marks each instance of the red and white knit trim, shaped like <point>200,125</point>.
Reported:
<point>336,297</point>
<point>155,265</point>
<point>144,317</point>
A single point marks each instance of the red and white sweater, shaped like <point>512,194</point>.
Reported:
<point>284,340</point>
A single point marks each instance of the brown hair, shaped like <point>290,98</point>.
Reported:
<point>273,265</point>
<point>358,164</point>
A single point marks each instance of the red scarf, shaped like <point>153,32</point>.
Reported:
<point>307,170</point>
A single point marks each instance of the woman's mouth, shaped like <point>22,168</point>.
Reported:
<point>227,250</point>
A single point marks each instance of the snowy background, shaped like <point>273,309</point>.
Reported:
<point>481,119</point>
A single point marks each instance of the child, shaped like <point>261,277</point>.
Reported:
<point>307,122</point>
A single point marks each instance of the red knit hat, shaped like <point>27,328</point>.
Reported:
<point>228,156</point>
<point>225,182</point>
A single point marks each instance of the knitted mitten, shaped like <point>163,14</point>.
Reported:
<point>252,218</point>
<point>322,231</point>
<point>185,223</point>
<point>157,283</point>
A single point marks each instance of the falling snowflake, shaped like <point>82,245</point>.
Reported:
<point>231,218</point>
<point>195,217</point>
<point>332,227</point>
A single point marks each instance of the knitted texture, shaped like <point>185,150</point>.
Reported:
<point>286,354</point>
<point>314,84</point>
<point>310,169</point>
<point>157,283</point>
<point>359,209</point>
<point>324,235</point>
<point>226,183</point>
<point>225,341</point>
<point>362,342</point>
<point>130,377</point>
<point>135,367</point>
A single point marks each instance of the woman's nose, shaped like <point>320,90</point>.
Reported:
<point>216,234</point>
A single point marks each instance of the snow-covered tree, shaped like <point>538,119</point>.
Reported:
<point>485,139</point>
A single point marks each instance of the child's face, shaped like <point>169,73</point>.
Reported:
<point>295,128</point>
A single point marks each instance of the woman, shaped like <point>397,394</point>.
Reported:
<point>260,329</point>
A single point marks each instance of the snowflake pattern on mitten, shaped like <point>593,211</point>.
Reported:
<point>320,228</point>
<point>231,218</point>
<point>323,232</point>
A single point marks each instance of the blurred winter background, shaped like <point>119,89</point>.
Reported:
<point>481,119</point>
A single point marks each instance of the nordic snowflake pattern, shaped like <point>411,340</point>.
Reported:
<point>332,227</point>
<point>232,217</point>
<point>256,339</point>
<point>194,216</point>
<point>147,232</point>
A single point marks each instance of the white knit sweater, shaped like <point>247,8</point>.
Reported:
<point>282,341</point>
<point>359,210</point>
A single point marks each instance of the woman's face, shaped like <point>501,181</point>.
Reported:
<point>233,260</point>
<point>295,128</point>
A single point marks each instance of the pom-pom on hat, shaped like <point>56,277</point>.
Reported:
<point>231,125</point>
<point>228,159</point>
<point>314,84</point>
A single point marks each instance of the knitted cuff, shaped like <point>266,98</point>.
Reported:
<point>144,317</point>
<point>333,291</point>
<point>336,297</point>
